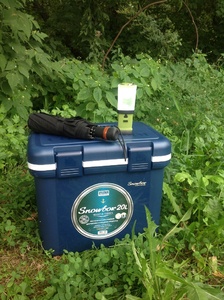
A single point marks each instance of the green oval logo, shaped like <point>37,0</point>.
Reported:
<point>102,210</point>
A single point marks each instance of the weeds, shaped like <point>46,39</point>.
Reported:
<point>183,258</point>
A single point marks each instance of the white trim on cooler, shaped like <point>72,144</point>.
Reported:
<point>97,163</point>
<point>162,158</point>
<point>46,167</point>
<point>104,163</point>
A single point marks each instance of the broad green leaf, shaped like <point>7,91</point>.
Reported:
<point>135,73</point>
<point>179,109</point>
<point>84,94</point>
<point>97,94</point>
<point>148,91</point>
<point>61,294</point>
<point>177,229</point>
<point>180,177</point>
<point>22,98</point>
<point>151,226</point>
<point>6,89</point>
<point>166,273</point>
<point>90,106</point>
<point>111,99</point>
<point>114,82</point>
<point>169,290</point>
<point>139,93</point>
<point>191,196</point>
<point>101,104</point>
<point>22,111</point>
<point>7,103</point>
<point>108,291</point>
<point>18,21</point>
<point>75,86</point>
<point>205,181</point>
<point>187,215</point>
<point>173,219</point>
<point>198,174</point>
<point>5,2</point>
<point>42,58</point>
<point>12,3</point>
<point>100,296</point>
<point>216,179</point>
<point>23,70</point>
<point>126,78</point>
<point>167,190</point>
<point>137,260</point>
<point>25,288</point>
<point>18,48</point>
<point>35,23</point>
<point>198,291</point>
<point>39,36</point>
<point>154,84</point>
<point>11,65</point>
<point>117,67</point>
<point>13,79</point>
<point>130,297</point>
<point>3,62</point>
<point>144,72</point>
<point>24,23</point>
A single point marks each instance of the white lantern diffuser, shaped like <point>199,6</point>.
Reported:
<point>126,106</point>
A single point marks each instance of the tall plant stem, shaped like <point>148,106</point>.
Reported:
<point>126,24</point>
<point>195,26</point>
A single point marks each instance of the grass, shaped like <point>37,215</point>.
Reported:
<point>28,272</point>
<point>184,259</point>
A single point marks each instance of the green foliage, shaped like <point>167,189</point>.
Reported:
<point>163,88</point>
<point>13,140</point>
<point>18,210</point>
<point>17,291</point>
<point>88,29</point>
<point>198,184</point>
<point>151,34</point>
<point>109,271</point>
<point>23,62</point>
<point>78,25</point>
<point>89,91</point>
<point>32,76</point>
<point>133,269</point>
<point>184,258</point>
<point>163,30</point>
<point>160,280</point>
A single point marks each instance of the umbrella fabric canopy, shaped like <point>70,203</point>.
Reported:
<point>75,127</point>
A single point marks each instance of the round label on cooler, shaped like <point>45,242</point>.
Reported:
<point>102,210</point>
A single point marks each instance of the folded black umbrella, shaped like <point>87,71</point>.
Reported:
<point>75,127</point>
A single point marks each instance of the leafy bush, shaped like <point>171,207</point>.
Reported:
<point>133,269</point>
<point>197,183</point>
<point>185,257</point>
<point>13,141</point>
<point>23,62</point>
<point>18,224</point>
<point>163,89</point>
<point>88,29</point>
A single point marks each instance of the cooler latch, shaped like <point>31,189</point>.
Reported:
<point>69,164</point>
<point>139,156</point>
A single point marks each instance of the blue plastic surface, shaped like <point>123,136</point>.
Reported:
<point>69,172</point>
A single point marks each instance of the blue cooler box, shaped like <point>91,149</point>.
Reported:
<point>88,193</point>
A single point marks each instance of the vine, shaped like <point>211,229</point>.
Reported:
<point>195,26</point>
<point>125,25</point>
